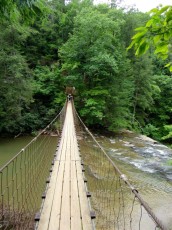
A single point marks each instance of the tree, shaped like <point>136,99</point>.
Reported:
<point>15,82</point>
<point>157,32</point>
<point>49,34</point>
<point>79,45</point>
<point>141,69</point>
<point>28,9</point>
<point>142,100</point>
<point>160,115</point>
<point>95,62</point>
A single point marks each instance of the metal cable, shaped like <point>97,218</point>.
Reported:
<point>23,178</point>
<point>126,182</point>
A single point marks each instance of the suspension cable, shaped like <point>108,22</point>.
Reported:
<point>23,178</point>
<point>125,179</point>
<point>39,134</point>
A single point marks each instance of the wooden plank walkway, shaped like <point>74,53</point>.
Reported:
<point>66,205</point>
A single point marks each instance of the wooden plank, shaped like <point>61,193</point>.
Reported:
<point>77,156</point>
<point>63,152</point>
<point>66,137</point>
<point>85,211</point>
<point>45,215</point>
<point>68,146</point>
<point>75,202</point>
<point>56,207</point>
<point>66,205</point>
<point>75,152</point>
<point>61,146</point>
<point>65,134</point>
<point>65,208</point>
<point>72,148</point>
<point>70,141</point>
<point>62,142</point>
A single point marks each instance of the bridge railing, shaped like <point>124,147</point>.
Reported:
<point>117,204</point>
<point>23,178</point>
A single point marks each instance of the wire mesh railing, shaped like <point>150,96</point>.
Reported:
<point>117,204</point>
<point>23,178</point>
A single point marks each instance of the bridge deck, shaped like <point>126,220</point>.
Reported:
<point>66,204</point>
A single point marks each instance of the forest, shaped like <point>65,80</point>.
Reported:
<point>80,44</point>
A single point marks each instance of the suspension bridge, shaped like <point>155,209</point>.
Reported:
<point>63,179</point>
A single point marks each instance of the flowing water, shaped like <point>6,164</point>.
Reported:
<point>145,163</point>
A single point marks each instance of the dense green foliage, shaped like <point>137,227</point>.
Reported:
<point>81,45</point>
<point>26,10</point>
<point>156,32</point>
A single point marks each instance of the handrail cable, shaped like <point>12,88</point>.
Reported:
<point>125,179</point>
<point>23,178</point>
<point>39,134</point>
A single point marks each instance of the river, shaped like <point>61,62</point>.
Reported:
<point>147,164</point>
<point>144,162</point>
<point>11,146</point>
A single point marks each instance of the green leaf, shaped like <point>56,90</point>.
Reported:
<point>131,45</point>
<point>142,48</point>
<point>162,48</point>
<point>168,16</point>
<point>163,56</point>
<point>154,10</point>
<point>138,35</point>
<point>157,38</point>
<point>167,36</point>
<point>149,23</point>
<point>168,64</point>
<point>141,29</point>
<point>162,10</point>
